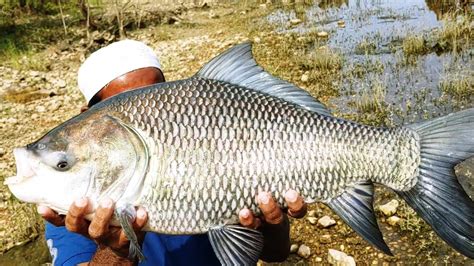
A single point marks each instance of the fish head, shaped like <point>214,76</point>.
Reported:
<point>85,157</point>
<point>47,173</point>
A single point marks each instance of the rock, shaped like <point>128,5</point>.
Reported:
<point>312,220</point>
<point>341,23</point>
<point>12,120</point>
<point>2,152</point>
<point>305,77</point>
<point>339,258</point>
<point>256,40</point>
<point>318,259</point>
<point>325,239</point>
<point>322,34</point>
<point>389,208</point>
<point>54,106</point>
<point>212,14</point>
<point>304,251</point>
<point>393,220</point>
<point>293,248</point>
<point>312,213</point>
<point>295,21</point>
<point>465,173</point>
<point>61,83</point>
<point>40,109</point>
<point>326,221</point>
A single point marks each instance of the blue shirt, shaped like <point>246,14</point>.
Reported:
<point>69,248</point>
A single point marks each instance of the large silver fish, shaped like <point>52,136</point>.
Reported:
<point>194,152</point>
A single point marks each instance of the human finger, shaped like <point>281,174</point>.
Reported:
<point>270,209</point>
<point>75,221</point>
<point>140,220</point>
<point>248,219</point>
<point>297,208</point>
<point>100,222</point>
<point>51,216</point>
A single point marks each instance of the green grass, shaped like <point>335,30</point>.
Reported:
<point>456,32</point>
<point>370,106</point>
<point>459,86</point>
<point>366,47</point>
<point>21,59</point>
<point>372,100</point>
<point>322,59</point>
<point>411,222</point>
<point>414,45</point>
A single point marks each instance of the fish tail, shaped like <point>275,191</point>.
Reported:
<point>437,196</point>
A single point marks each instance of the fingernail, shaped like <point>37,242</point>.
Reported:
<point>263,197</point>
<point>244,213</point>
<point>141,213</point>
<point>291,196</point>
<point>106,203</point>
<point>81,202</point>
<point>42,210</point>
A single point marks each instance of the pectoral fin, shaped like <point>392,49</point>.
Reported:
<point>126,215</point>
<point>236,245</point>
<point>354,206</point>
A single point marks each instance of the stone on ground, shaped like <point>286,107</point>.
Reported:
<point>326,221</point>
<point>304,251</point>
<point>339,258</point>
<point>389,208</point>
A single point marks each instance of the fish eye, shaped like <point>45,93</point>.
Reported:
<point>62,165</point>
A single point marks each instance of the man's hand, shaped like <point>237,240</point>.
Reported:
<point>274,223</point>
<point>109,238</point>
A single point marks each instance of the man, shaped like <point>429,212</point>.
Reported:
<point>128,65</point>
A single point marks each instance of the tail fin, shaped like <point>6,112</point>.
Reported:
<point>438,197</point>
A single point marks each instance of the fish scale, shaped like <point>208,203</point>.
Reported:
<point>219,161</point>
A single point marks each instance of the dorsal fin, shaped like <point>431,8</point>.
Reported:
<point>237,66</point>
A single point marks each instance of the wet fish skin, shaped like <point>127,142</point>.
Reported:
<point>215,145</point>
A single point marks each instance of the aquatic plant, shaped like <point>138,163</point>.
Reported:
<point>414,45</point>
<point>459,86</point>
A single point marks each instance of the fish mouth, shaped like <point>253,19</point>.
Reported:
<point>13,180</point>
<point>23,167</point>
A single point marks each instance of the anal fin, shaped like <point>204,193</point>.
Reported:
<point>236,245</point>
<point>126,215</point>
<point>354,206</point>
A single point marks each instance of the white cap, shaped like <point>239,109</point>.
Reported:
<point>112,61</point>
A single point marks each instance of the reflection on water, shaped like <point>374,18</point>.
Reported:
<point>439,7</point>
